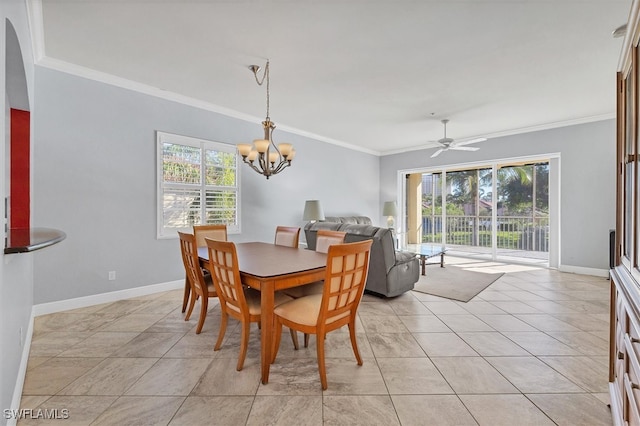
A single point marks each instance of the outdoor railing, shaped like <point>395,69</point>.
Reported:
<point>513,232</point>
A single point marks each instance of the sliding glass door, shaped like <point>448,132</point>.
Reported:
<point>468,208</point>
<point>523,216</point>
<point>497,211</point>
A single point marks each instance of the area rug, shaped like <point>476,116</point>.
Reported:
<point>454,282</point>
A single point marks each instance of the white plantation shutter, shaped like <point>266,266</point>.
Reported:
<point>198,183</point>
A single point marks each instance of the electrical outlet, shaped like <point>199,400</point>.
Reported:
<point>112,275</point>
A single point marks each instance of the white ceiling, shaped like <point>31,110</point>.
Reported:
<point>378,75</point>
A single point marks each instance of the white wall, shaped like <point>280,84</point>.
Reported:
<point>16,270</point>
<point>95,179</point>
<point>587,182</point>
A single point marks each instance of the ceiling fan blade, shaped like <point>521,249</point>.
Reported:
<point>472,141</point>
<point>464,148</point>
<point>438,152</point>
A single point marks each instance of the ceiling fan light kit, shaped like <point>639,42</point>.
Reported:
<point>449,143</point>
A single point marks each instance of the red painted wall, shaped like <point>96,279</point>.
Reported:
<point>20,193</point>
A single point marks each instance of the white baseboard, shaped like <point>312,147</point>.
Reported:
<point>22,372</point>
<point>79,302</point>
<point>96,299</point>
<point>584,271</point>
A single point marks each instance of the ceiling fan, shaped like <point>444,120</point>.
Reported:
<point>448,143</point>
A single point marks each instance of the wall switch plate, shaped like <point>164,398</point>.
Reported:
<point>112,275</point>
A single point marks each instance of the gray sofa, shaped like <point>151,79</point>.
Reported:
<point>391,272</point>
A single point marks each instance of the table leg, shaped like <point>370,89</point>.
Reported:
<point>423,263</point>
<point>266,314</point>
<point>442,260</point>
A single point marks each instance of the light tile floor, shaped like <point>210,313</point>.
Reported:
<point>529,350</point>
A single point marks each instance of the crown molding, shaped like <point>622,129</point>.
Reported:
<point>630,38</point>
<point>124,83</point>
<point>36,27</point>
<point>517,131</point>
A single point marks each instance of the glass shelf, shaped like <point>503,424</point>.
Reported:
<point>28,240</point>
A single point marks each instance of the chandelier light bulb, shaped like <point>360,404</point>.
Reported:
<point>244,149</point>
<point>285,149</point>
<point>261,145</point>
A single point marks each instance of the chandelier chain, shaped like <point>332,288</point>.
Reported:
<point>268,91</point>
<point>260,81</point>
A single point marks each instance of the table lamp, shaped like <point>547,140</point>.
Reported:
<point>390,211</point>
<point>312,211</point>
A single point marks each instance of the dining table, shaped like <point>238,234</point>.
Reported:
<point>268,268</point>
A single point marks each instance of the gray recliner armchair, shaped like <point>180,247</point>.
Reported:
<point>391,272</point>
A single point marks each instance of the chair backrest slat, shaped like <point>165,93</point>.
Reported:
<point>223,263</point>
<point>326,238</point>
<point>215,232</point>
<point>345,279</point>
<point>191,263</point>
<point>287,236</point>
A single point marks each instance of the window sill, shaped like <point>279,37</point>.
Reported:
<point>28,240</point>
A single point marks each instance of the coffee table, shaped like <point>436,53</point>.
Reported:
<point>425,251</point>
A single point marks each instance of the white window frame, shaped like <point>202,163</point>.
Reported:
<point>162,138</point>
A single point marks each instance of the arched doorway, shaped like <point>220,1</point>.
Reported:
<point>17,147</point>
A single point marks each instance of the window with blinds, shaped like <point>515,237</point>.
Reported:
<point>198,183</point>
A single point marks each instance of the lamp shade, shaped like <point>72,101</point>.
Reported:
<point>312,210</point>
<point>389,208</point>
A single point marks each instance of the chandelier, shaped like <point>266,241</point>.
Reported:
<point>263,155</point>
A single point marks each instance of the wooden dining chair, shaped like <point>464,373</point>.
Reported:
<point>201,287</point>
<point>287,236</point>
<point>236,300</point>
<point>324,239</point>
<point>345,279</point>
<point>215,232</point>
